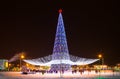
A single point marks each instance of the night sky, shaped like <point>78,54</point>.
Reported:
<point>92,27</point>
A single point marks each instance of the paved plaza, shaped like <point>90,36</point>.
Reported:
<point>91,75</point>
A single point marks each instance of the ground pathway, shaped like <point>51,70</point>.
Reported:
<point>18,75</point>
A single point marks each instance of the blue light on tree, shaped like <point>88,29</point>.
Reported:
<point>60,50</point>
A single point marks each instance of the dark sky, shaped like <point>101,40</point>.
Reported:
<point>91,26</point>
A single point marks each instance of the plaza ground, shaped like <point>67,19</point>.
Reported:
<point>86,75</point>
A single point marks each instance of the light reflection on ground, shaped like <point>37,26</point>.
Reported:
<point>68,75</point>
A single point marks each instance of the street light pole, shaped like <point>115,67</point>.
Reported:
<point>102,61</point>
<point>20,63</point>
<point>21,57</point>
<point>101,58</point>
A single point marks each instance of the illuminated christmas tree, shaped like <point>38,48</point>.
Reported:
<point>60,50</point>
<point>60,59</point>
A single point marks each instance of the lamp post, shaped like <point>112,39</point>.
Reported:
<point>21,57</point>
<point>101,58</point>
<point>9,66</point>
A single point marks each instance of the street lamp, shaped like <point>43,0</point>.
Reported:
<point>101,58</point>
<point>9,66</point>
<point>21,57</point>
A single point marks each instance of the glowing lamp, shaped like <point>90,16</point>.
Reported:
<point>100,56</point>
<point>22,56</point>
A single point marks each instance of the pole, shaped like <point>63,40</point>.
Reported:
<point>20,63</point>
<point>102,61</point>
<point>21,57</point>
<point>100,58</point>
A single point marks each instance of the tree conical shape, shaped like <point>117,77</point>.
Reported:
<point>60,50</point>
